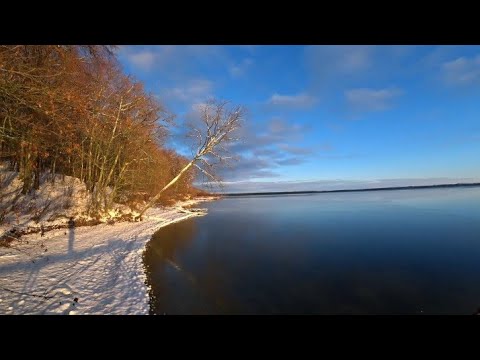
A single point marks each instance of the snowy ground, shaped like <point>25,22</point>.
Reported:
<point>51,205</point>
<point>87,270</point>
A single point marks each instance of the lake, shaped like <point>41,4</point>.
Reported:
<point>379,252</point>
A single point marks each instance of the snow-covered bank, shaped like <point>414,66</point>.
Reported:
<point>50,206</point>
<point>86,270</point>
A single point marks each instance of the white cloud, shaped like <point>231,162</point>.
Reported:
<point>173,60</point>
<point>143,60</point>
<point>345,59</point>
<point>365,99</point>
<point>265,148</point>
<point>238,70</point>
<point>300,100</point>
<point>462,71</point>
<point>197,90</point>
<point>354,58</point>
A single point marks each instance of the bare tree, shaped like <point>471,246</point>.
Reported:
<point>217,130</point>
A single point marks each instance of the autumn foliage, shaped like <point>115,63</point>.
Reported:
<point>71,110</point>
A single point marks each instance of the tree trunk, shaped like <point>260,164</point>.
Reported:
<point>36,181</point>
<point>174,180</point>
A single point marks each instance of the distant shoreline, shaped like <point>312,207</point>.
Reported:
<point>413,187</point>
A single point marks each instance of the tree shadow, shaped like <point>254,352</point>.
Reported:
<point>71,235</point>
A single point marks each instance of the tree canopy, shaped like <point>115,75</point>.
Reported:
<point>71,110</point>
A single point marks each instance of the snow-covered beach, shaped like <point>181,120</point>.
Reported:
<point>85,270</point>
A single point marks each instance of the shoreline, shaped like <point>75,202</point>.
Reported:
<point>88,270</point>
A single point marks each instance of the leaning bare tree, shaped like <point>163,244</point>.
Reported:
<point>212,137</point>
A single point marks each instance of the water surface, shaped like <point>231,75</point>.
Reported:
<point>384,252</point>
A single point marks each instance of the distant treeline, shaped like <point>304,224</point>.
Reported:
<point>353,190</point>
<point>71,110</point>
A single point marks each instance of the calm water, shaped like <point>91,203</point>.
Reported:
<point>387,252</point>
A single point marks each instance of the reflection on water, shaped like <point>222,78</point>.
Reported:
<point>392,252</point>
<point>160,258</point>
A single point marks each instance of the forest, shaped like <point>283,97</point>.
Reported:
<point>71,110</point>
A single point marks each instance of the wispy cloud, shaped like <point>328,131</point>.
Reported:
<point>295,150</point>
<point>290,161</point>
<point>249,167</point>
<point>301,150</point>
<point>462,71</point>
<point>237,70</point>
<point>195,91</point>
<point>143,59</point>
<point>177,62</point>
<point>266,147</point>
<point>365,99</point>
<point>273,132</point>
<point>354,58</point>
<point>277,125</point>
<point>325,60</point>
<point>335,68</point>
<point>301,100</point>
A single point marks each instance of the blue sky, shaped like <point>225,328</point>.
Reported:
<point>329,117</point>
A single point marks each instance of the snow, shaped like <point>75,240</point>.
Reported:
<point>51,205</point>
<point>100,267</point>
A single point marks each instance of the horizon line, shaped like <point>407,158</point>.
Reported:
<point>351,190</point>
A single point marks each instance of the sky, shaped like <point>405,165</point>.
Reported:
<point>328,117</point>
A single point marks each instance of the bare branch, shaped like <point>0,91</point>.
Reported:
<point>219,126</point>
<point>207,173</point>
